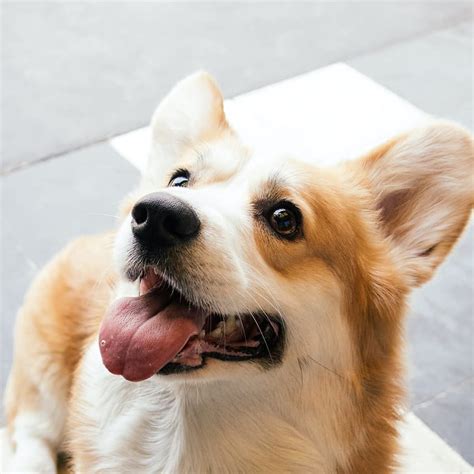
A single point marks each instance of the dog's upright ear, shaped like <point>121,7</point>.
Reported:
<point>193,111</point>
<point>422,185</point>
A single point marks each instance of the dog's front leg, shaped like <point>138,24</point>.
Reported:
<point>36,410</point>
<point>36,397</point>
<point>49,331</point>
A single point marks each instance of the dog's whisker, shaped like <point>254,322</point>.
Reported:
<point>223,322</point>
<point>263,336</point>
<point>273,305</point>
<point>332,371</point>
<point>260,282</point>
<point>102,215</point>
<point>258,326</point>
<point>102,278</point>
<point>260,294</point>
<point>243,328</point>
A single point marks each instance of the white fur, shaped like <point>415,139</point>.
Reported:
<point>226,416</point>
<point>246,425</point>
<point>33,450</point>
<point>251,422</point>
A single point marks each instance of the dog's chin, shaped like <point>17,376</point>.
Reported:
<point>211,341</point>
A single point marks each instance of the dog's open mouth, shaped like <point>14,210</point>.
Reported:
<point>160,332</point>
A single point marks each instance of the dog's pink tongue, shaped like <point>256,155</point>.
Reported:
<point>141,335</point>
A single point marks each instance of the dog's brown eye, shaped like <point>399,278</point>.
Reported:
<point>180,178</point>
<point>284,221</point>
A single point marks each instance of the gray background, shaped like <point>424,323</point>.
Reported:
<point>75,74</point>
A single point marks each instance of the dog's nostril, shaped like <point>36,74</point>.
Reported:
<point>140,214</point>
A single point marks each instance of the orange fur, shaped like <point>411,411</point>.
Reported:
<point>360,237</point>
<point>61,312</point>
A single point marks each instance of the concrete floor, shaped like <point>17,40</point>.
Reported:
<point>74,74</point>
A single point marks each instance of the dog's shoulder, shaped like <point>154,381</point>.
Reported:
<point>67,299</point>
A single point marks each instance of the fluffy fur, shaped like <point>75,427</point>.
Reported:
<point>372,229</point>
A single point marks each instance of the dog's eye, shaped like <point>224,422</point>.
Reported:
<point>284,221</point>
<point>180,178</point>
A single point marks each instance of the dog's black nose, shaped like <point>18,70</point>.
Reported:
<point>163,220</point>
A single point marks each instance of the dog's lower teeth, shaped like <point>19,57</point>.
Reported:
<point>225,328</point>
<point>230,325</point>
<point>218,331</point>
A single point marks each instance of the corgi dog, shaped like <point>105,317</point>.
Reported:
<point>246,316</point>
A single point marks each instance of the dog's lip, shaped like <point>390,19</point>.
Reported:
<point>221,336</point>
<point>150,279</point>
<point>218,341</point>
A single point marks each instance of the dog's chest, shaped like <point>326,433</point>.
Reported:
<point>119,426</point>
<point>127,427</point>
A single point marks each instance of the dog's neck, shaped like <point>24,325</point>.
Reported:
<point>300,416</point>
<point>278,420</point>
<point>297,417</point>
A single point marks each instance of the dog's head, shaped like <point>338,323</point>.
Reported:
<point>241,263</point>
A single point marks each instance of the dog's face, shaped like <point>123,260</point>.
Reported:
<point>240,264</point>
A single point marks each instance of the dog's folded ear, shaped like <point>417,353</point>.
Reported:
<point>191,112</point>
<point>422,186</point>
